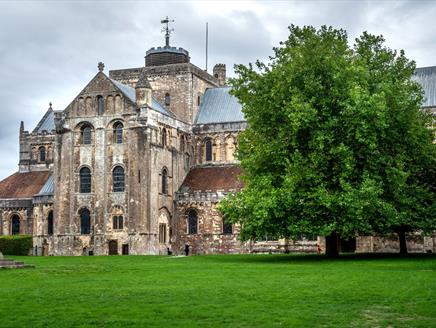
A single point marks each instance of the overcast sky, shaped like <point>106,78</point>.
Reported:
<point>49,50</point>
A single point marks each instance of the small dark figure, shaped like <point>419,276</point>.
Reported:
<point>169,251</point>
<point>186,249</point>
<point>318,249</point>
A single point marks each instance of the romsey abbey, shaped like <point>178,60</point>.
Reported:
<point>137,163</point>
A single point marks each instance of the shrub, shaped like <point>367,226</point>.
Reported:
<point>16,245</point>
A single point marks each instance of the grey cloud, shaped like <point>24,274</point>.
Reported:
<point>49,50</point>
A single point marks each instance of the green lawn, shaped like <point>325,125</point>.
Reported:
<point>220,291</point>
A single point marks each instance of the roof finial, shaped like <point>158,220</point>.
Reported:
<point>167,30</point>
<point>49,105</point>
<point>100,67</point>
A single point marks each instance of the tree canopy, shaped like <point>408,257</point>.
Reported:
<point>337,142</point>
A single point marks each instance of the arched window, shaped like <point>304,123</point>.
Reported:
<point>208,146</point>
<point>118,179</point>
<point>167,99</point>
<point>50,223</point>
<point>164,137</point>
<point>164,182</point>
<point>15,225</point>
<point>118,133</point>
<point>117,222</point>
<point>100,105</point>
<point>86,135</point>
<point>192,222</point>
<point>85,222</point>
<point>85,180</point>
<point>42,154</point>
<point>227,227</point>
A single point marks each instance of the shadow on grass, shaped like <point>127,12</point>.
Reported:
<point>314,258</point>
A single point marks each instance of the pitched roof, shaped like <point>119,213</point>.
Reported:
<point>23,185</point>
<point>130,93</point>
<point>219,106</point>
<point>426,76</point>
<point>212,178</point>
<point>46,122</point>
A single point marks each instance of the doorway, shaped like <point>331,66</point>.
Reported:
<point>125,249</point>
<point>113,247</point>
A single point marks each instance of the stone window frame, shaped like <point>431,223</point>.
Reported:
<point>82,184</point>
<point>190,231</point>
<point>119,188</point>
<point>11,224</point>
<point>42,154</point>
<point>117,222</point>
<point>162,233</point>
<point>164,187</point>
<point>100,105</point>
<point>118,132</point>
<point>164,136</point>
<point>208,149</point>
<point>85,230</point>
<point>227,227</point>
<point>167,99</point>
<point>87,139</point>
<point>50,223</point>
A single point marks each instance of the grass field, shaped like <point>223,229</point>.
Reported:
<point>220,291</point>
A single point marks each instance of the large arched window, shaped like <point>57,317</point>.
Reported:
<point>118,133</point>
<point>164,182</point>
<point>86,132</point>
<point>85,222</point>
<point>42,154</point>
<point>50,223</point>
<point>208,146</point>
<point>192,222</point>
<point>100,105</point>
<point>15,225</point>
<point>164,137</point>
<point>118,179</point>
<point>85,180</point>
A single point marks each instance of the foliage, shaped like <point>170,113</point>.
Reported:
<point>336,141</point>
<point>16,245</point>
<point>220,291</point>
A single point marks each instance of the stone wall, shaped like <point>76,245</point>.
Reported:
<point>416,243</point>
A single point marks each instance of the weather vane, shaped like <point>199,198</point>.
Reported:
<point>167,30</point>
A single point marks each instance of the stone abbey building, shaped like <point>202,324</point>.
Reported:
<point>137,163</point>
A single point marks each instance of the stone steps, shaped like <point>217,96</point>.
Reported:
<point>11,264</point>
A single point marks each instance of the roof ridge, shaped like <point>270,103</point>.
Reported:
<point>42,120</point>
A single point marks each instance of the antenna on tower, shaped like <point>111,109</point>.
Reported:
<point>207,41</point>
<point>167,30</point>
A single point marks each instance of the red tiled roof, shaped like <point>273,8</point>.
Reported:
<point>213,178</point>
<point>23,185</point>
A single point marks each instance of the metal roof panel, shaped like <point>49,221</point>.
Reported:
<point>219,106</point>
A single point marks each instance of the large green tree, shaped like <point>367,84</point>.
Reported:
<point>336,144</point>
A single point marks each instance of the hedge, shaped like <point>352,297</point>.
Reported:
<point>16,245</point>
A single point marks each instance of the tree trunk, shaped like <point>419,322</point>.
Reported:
<point>403,244</point>
<point>331,245</point>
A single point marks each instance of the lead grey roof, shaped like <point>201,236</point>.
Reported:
<point>130,93</point>
<point>219,106</point>
<point>46,123</point>
<point>426,77</point>
<point>48,187</point>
